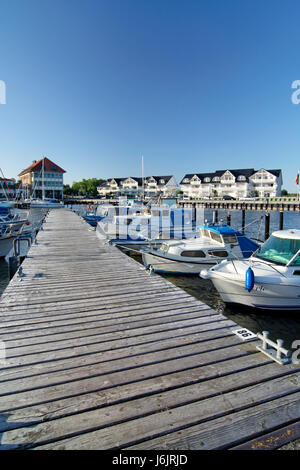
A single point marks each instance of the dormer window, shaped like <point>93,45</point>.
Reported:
<point>206,180</point>
<point>186,180</point>
<point>162,181</point>
<point>241,178</point>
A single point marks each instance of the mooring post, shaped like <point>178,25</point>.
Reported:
<point>267,225</point>
<point>243,220</point>
<point>215,217</point>
<point>281,220</point>
<point>228,218</point>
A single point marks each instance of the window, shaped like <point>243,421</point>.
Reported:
<point>230,238</point>
<point>241,178</point>
<point>218,253</point>
<point>216,237</point>
<point>280,250</point>
<point>206,180</point>
<point>193,254</point>
<point>205,233</point>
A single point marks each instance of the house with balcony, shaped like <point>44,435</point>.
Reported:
<point>238,183</point>
<point>42,179</point>
<point>267,183</point>
<point>152,186</point>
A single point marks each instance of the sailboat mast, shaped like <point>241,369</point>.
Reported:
<point>143,182</point>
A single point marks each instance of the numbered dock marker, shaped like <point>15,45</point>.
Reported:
<point>244,334</point>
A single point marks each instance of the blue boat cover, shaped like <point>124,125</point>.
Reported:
<point>247,245</point>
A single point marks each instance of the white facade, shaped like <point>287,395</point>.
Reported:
<point>165,186</point>
<point>266,183</point>
<point>235,183</point>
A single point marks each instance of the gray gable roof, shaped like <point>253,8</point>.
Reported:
<point>246,172</point>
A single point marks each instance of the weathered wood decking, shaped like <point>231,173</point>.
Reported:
<point>101,355</point>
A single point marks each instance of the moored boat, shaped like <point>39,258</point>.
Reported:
<point>269,279</point>
<point>210,245</point>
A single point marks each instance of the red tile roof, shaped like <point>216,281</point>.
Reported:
<point>48,166</point>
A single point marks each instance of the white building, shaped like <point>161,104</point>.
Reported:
<point>152,186</point>
<point>235,183</point>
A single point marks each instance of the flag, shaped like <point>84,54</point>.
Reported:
<point>297,179</point>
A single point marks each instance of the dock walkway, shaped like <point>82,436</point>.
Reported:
<point>102,355</point>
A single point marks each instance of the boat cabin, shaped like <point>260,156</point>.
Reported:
<point>219,241</point>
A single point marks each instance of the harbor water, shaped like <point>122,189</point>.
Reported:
<point>283,325</point>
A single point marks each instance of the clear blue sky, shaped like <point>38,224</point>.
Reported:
<point>193,85</point>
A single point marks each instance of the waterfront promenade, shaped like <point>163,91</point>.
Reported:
<point>102,355</point>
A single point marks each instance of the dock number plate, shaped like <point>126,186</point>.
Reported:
<point>243,333</point>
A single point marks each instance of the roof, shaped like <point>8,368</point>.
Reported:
<point>48,166</point>
<point>222,229</point>
<point>275,172</point>
<point>291,234</point>
<point>138,179</point>
<point>246,172</point>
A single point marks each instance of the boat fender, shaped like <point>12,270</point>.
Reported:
<point>249,280</point>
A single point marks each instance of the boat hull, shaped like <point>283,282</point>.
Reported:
<point>6,244</point>
<point>164,265</point>
<point>264,295</point>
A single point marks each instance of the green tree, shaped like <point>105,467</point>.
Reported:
<point>86,187</point>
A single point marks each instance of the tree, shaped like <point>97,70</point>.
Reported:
<point>284,192</point>
<point>85,187</point>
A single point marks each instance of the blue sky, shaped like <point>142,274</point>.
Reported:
<point>194,86</point>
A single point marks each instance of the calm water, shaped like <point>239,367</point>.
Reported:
<point>280,325</point>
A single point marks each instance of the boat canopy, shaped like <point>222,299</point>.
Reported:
<point>221,229</point>
<point>247,246</point>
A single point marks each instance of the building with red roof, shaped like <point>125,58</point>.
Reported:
<point>42,179</point>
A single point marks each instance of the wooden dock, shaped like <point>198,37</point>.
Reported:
<point>102,355</point>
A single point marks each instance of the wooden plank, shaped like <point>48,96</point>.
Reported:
<point>148,427</point>
<point>229,430</point>
<point>123,348</point>
<point>136,408</point>
<point>138,369</point>
<point>272,440</point>
<point>112,395</point>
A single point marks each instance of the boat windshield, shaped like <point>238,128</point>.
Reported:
<point>280,250</point>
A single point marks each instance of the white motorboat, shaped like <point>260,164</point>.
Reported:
<point>210,246</point>
<point>269,279</point>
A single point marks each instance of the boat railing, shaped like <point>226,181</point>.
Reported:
<point>268,264</point>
